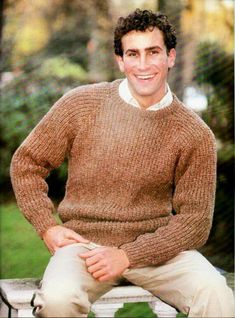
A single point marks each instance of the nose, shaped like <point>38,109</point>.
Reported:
<point>143,62</point>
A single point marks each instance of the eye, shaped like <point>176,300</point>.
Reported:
<point>154,52</point>
<point>131,54</point>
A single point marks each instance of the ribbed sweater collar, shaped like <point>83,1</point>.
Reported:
<point>160,114</point>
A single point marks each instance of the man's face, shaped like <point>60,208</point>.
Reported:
<point>145,63</point>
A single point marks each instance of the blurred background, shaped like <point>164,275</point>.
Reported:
<point>49,47</point>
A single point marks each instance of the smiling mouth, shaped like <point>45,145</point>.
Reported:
<point>145,77</point>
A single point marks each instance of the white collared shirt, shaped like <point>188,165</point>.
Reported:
<point>126,95</point>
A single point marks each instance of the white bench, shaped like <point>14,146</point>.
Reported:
<point>16,295</point>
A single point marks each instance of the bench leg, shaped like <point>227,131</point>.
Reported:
<point>6,311</point>
<point>106,310</point>
<point>25,313</point>
<point>163,310</point>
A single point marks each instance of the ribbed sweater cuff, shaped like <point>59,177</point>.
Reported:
<point>42,225</point>
<point>133,255</point>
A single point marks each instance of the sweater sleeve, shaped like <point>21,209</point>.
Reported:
<point>43,150</point>
<point>193,205</point>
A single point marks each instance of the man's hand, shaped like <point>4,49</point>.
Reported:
<point>105,263</point>
<point>59,236</point>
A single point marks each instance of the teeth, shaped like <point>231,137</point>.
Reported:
<point>144,76</point>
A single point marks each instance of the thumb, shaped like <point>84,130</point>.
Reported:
<point>75,236</point>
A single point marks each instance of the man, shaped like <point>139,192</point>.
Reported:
<point>140,190</point>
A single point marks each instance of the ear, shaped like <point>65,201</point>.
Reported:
<point>120,62</point>
<point>171,58</point>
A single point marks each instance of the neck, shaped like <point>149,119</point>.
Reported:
<point>147,101</point>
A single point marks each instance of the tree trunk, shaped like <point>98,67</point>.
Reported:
<point>173,10</point>
<point>100,48</point>
<point>2,2</point>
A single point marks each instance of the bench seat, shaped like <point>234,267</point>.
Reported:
<point>16,295</point>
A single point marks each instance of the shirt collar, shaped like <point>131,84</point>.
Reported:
<point>126,95</point>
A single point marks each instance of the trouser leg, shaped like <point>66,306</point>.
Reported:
<point>67,289</point>
<point>189,283</point>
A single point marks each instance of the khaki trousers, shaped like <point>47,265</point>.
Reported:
<point>188,282</point>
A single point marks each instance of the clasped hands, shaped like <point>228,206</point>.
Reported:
<point>103,263</point>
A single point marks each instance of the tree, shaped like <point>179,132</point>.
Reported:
<point>1,23</point>
<point>214,71</point>
<point>100,49</point>
<point>173,9</point>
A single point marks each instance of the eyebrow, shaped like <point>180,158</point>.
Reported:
<point>146,49</point>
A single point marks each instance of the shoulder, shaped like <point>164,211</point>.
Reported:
<point>190,124</point>
<point>82,100</point>
<point>96,91</point>
<point>81,103</point>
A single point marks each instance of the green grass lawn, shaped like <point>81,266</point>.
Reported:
<point>23,254</point>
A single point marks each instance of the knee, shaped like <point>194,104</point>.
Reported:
<point>211,296</point>
<point>55,302</point>
<point>210,284</point>
<point>67,299</point>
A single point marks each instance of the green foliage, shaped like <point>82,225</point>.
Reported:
<point>23,104</point>
<point>73,35</point>
<point>26,99</point>
<point>62,68</point>
<point>214,72</point>
<point>137,310</point>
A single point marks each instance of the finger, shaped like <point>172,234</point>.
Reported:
<point>97,266</point>
<point>91,253</point>
<point>93,260</point>
<point>66,242</point>
<point>74,236</point>
<point>104,278</point>
<point>81,239</point>
<point>100,273</point>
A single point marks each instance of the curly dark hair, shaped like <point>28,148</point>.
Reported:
<point>141,20</point>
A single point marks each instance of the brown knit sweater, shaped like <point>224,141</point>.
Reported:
<point>137,179</point>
